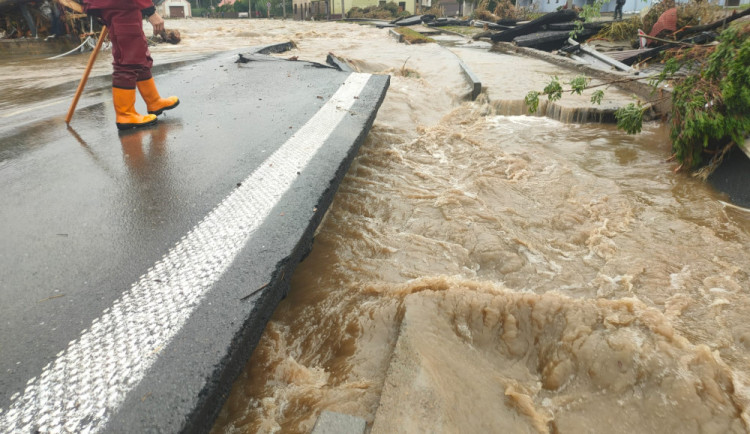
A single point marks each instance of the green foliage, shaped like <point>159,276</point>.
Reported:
<point>391,7</point>
<point>532,101</point>
<point>671,67</point>
<point>591,11</point>
<point>553,90</point>
<point>464,30</point>
<point>597,97</point>
<point>710,101</point>
<point>712,109</point>
<point>240,6</point>
<point>587,14</point>
<point>630,118</point>
<point>578,84</point>
<point>229,8</point>
<point>199,12</point>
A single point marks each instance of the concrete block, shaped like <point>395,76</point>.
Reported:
<point>337,423</point>
<point>396,35</point>
<point>474,81</point>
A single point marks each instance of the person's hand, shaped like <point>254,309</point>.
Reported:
<point>157,22</point>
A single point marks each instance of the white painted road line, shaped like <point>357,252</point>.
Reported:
<point>88,381</point>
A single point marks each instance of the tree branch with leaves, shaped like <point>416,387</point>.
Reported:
<point>710,98</point>
<point>629,118</point>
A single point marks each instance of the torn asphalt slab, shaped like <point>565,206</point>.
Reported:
<point>112,220</point>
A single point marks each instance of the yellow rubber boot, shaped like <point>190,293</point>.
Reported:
<point>155,103</point>
<point>127,117</point>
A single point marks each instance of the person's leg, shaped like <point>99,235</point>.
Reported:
<point>27,16</point>
<point>57,27</point>
<point>131,60</point>
<point>155,104</point>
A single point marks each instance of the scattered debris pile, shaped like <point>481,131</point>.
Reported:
<point>42,19</point>
<point>57,24</point>
<point>664,35</point>
<point>167,36</point>
<point>413,20</point>
<point>442,22</point>
<point>548,32</point>
<point>700,49</point>
<point>667,25</point>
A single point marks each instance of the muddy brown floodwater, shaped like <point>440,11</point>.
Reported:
<point>480,272</point>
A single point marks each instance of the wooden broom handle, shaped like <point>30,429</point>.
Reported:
<point>86,73</point>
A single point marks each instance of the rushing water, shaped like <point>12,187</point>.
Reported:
<point>479,272</point>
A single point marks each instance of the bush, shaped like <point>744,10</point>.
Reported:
<point>238,6</point>
<point>391,7</point>
<point>506,10</point>
<point>389,11</point>
<point>436,10</point>
<point>355,12</point>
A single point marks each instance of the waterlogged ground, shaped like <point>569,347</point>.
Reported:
<point>479,272</point>
<point>487,273</point>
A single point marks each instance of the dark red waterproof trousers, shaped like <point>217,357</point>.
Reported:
<point>132,59</point>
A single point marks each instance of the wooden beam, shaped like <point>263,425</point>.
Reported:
<point>70,4</point>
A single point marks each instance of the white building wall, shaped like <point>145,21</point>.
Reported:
<point>468,9</point>
<point>163,8</point>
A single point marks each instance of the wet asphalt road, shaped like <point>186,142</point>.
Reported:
<point>91,216</point>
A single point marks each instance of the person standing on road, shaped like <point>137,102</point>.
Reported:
<point>24,6</point>
<point>132,59</point>
<point>618,9</point>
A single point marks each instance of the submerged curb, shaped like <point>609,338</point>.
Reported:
<point>396,35</point>
<point>474,81</point>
